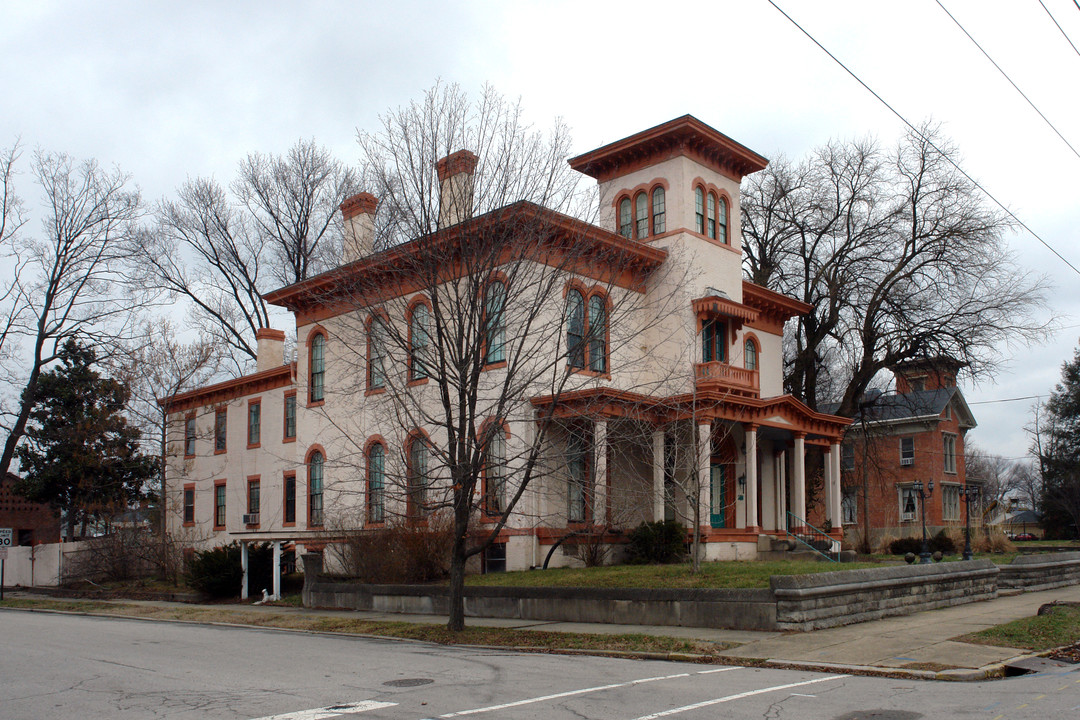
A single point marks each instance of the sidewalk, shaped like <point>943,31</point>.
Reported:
<point>892,644</point>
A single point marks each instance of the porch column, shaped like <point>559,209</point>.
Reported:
<point>704,458</point>
<point>243,570</point>
<point>769,490</point>
<point>828,485</point>
<point>600,473</point>
<point>751,479</point>
<point>837,494</point>
<point>658,474</point>
<point>277,570</point>
<point>781,494</point>
<point>798,490</point>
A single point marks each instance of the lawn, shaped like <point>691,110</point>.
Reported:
<point>748,574</point>
<point>1061,626</point>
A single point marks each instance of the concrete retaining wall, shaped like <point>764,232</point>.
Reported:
<point>793,602</point>
<point>809,602</point>
<point>1041,572</point>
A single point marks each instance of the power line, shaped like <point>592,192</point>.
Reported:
<point>1006,76</point>
<point>927,140</point>
<point>1059,26</point>
<point>1002,400</point>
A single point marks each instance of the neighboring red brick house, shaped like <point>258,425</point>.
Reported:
<point>913,435</point>
<point>33,523</point>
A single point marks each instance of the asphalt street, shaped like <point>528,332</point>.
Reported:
<point>60,666</point>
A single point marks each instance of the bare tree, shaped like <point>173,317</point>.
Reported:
<point>899,257</point>
<point>454,336</point>
<point>69,281</point>
<point>220,252</point>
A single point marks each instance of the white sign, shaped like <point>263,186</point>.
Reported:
<point>5,537</point>
<point>3,553</point>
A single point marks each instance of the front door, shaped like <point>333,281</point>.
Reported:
<point>717,494</point>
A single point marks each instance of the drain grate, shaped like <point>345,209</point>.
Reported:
<point>408,682</point>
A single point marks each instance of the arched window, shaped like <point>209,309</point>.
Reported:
<point>376,483</point>
<point>417,478</point>
<point>750,355</point>
<point>710,217</point>
<point>495,472</point>
<point>575,329</point>
<point>376,378</point>
<point>597,334</point>
<point>659,211</point>
<point>626,223</point>
<point>722,222</point>
<point>641,215</point>
<point>418,342</point>
<point>315,489</point>
<point>699,210</point>
<point>494,329</point>
<point>317,380</point>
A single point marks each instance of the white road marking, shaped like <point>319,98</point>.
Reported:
<point>331,711</point>
<point>739,696</point>
<point>571,693</point>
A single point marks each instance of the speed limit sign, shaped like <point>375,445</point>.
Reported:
<point>5,537</point>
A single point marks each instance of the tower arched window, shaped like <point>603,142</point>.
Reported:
<point>575,329</point>
<point>597,334</point>
<point>710,217</point>
<point>750,355</point>
<point>419,340</point>
<point>641,215</point>
<point>722,221</point>
<point>626,223</point>
<point>659,211</point>
<point>699,210</point>
<point>315,489</point>
<point>494,322</point>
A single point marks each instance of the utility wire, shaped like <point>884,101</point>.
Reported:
<point>1001,400</point>
<point>1059,26</point>
<point>1006,76</point>
<point>927,140</point>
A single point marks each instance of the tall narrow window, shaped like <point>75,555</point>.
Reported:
<point>722,234</point>
<point>712,341</point>
<point>220,425</point>
<point>699,210</point>
<point>376,484</point>
<point>189,505</point>
<point>626,223</point>
<point>315,489</point>
<point>253,497</point>
<point>189,437</point>
<point>495,472</point>
<point>575,329</point>
<point>907,451</point>
<point>318,368</point>
<point>290,416</point>
<point>418,343</point>
<point>254,423</point>
<point>908,503</point>
<point>847,456</point>
<point>597,334</point>
<point>641,215</point>
<point>717,494</point>
<point>290,500</point>
<point>750,355</point>
<point>710,217</point>
<point>494,329</point>
<point>849,507</point>
<point>219,506</point>
<point>418,479</point>
<point>950,453</point>
<point>376,355</point>
<point>577,459</point>
<point>659,211</point>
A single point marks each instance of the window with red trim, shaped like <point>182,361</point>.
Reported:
<point>189,504</point>
<point>376,371</point>
<point>750,354</point>
<point>419,342</point>
<point>586,331</point>
<point>289,510</point>
<point>713,341</point>
<point>495,471</point>
<point>189,436</point>
<point>376,483</point>
<point>417,478</point>
<point>254,422</point>
<point>315,489</point>
<point>494,322</point>
<point>253,496</point>
<point>220,427</point>
<point>289,422</point>
<point>645,215</point>
<point>317,371</point>
<point>219,506</point>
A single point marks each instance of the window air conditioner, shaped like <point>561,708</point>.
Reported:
<point>251,519</point>
<point>907,461</point>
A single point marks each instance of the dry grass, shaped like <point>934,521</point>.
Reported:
<point>314,622</point>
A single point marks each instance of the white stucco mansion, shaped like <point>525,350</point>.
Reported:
<point>287,455</point>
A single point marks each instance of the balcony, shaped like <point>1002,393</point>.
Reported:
<point>720,377</point>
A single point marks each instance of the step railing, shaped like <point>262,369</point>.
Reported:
<point>811,538</point>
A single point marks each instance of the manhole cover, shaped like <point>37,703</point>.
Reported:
<point>880,715</point>
<point>408,682</point>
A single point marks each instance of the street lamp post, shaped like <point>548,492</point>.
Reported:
<point>924,556</point>
<point>970,494</point>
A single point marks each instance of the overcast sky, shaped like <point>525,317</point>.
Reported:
<point>175,90</point>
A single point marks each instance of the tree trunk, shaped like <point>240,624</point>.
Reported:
<point>456,622</point>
